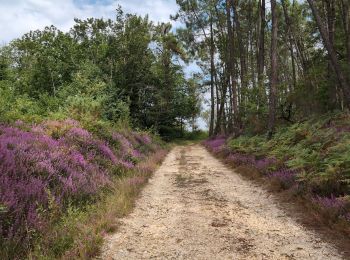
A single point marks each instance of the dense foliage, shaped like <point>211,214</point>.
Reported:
<point>122,69</point>
<point>268,63</point>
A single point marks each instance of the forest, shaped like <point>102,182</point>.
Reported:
<point>268,66</point>
<point>87,115</point>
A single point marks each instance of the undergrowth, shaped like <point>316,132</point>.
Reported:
<point>62,184</point>
<point>80,233</point>
<point>311,159</point>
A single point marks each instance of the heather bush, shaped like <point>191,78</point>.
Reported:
<point>334,206</point>
<point>48,167</point>
<point>216,144</point>
<point>79,234</point>
<point>219,145</point>
<point>35,166</point>
<point>285,176</point>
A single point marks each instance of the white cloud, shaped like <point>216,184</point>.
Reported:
<point>21,16</point>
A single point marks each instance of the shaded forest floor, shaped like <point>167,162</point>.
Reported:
<point>195,207</point>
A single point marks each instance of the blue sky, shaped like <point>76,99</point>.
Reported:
<point>21,16</point>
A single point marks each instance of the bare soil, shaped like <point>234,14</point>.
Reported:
<point>195,207</point>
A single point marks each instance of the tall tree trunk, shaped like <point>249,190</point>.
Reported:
<point>212,70</point>
<point>331,53</point>
<point>261,45</point>
<point>346,21</point>
<point>250,47</point>
<point>221,110</point>
<point>273,76</point>
<point>218,98</point>
<point>330,5</point>
<point>229,111</point>
<point>230,61</point>
<point>290,40</point>
<point>242,57</point>
<point>299,46</point>
<point>330,8</point>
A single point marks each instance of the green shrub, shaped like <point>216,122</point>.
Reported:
<point>320,147</point>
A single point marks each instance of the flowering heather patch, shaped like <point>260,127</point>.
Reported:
<point>264,163</point>
<point>35,166</point>
<point>336,206</point>
<point>126,164</point>
<point>242,159</point>
<point>330,203</point>
<point>125,144</point>
<point>51,165</point>
<point>142,138</point>
<point>215,145</point>
<point>285,176</point>
<point>218,145</point>
<point>250,160</point>
<point>125,149</point>
<point>133,147</point>
<point>136,153</point>
<point>89,146</point>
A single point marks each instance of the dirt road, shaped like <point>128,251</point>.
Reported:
<point>194,207</point>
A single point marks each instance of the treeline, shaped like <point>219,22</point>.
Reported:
<point>126,69</point>
<point>269,62</point>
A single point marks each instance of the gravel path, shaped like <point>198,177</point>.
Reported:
<point>194,207</point>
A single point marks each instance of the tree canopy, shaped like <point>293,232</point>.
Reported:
<point>268,64</point>
<point>122,69</point>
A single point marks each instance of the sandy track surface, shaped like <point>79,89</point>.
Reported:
<point>194,207</point>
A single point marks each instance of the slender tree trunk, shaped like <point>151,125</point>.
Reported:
<point>251,50</point>
<point>273,76</point>
<point>218,98</point>
<point>221,111</point>
<point>218,103</point>
<point>331,20</point>
<point>229,111</point>
<point>293,69</point>
<point>346,21</point>
<point>331,53</point>
<point>242,57</point>
<point>299,46</point>
<point>230,61</point>
<point>330,10</point>
<point>261,46</point>
<point>290,41</point>
<point>212,112</point>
